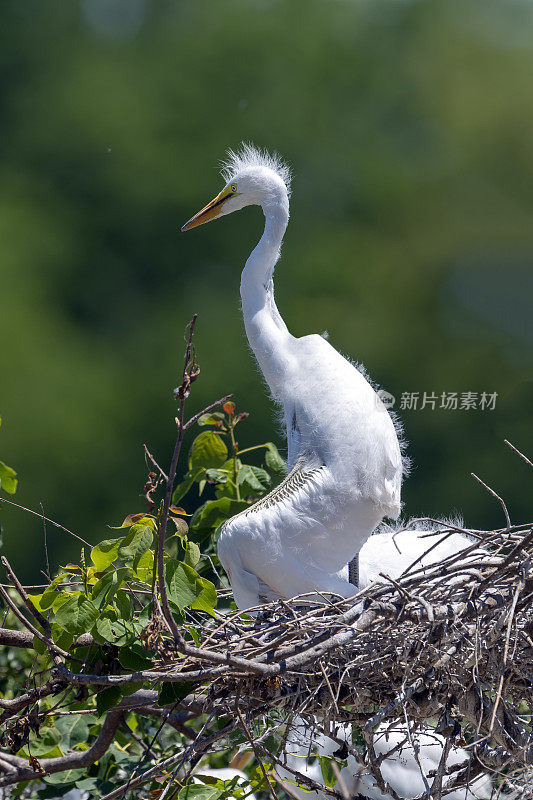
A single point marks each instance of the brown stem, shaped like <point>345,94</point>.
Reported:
<point>168,496</point>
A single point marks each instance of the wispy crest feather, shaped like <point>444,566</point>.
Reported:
<point>248,155</point>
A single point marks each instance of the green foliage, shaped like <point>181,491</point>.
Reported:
<point>208,450</point>
<point>187,589</point>
<point>109,596</point>
<point>76,615</point>
<point>194,792</point>
<point>328,774</point>
<point>8,477</point>
<point>235,484</point>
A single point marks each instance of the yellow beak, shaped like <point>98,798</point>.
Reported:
<point>210,211</point>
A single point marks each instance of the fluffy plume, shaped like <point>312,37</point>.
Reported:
<point>248,155</point>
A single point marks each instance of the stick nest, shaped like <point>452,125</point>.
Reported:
<point>452,643</point>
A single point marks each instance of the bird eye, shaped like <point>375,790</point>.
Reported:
<point>233,188</point>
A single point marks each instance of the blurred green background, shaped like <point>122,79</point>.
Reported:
<point>409,129</point>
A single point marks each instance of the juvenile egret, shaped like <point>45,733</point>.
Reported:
<point>401,770</point>
<point>343,450</point>
<point>394,548</point>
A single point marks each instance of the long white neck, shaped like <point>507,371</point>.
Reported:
<point>266,330</point>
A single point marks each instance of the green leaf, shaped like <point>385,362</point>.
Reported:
<point>253,479</point>
<point>195,635</point>
<point>145,566</point>
<point>61,638</point>
<point>192,554</point>
<point>107,698</point>
<point>104,553</point>
<point>182,584</point>
<point>45,741</point>
<point>194,791</point>
<point>131,688</point>
<point>51,594</point>
<point>181,526</point>
<point>77,615</point>
<point>105,589</point>
<point>138,519</point>
<point>207,451</point>
<point>39,646</point>
<point>182,488</point>
<point>124,605</point>
<point>8,478</point>
<point>59,597</point>
<point>134,658</point>
<point>207,600</point>
<point>328,776</point>
<point>274,461</point>
<point>110,629</point>
<point>74,729</point>
<point>64,778</point>
<point>211,419</point>
<point>187,588</point>
<point>211,514</point>
<point>216,475</point>
<point>173,692</point>
<point>136,543</point>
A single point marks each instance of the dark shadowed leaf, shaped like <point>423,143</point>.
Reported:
<point>44,742</point>
<point>182,488</point>
<point>214,512</point>
<point>124,605</point>
<point>74,729</point>
<point>107,698</point>
<point>134,658</point>
<point>216,475</point>
<point>173,692</point>
<point>110,629</point>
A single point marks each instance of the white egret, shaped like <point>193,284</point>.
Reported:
<point>343,450</point>
<point>394,548</point>
<point>401,770</point>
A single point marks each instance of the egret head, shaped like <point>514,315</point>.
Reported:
<point>253,177</point>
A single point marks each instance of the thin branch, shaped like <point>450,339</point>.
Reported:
<point>517,451</point>
<point>252,744</point>
<point>150,457</point>
<point>170,487</point>
<point>193,420</point>
<point>46,519</point>
<point>494,494</point>
<point>43,622</point>
<point>54,649</point>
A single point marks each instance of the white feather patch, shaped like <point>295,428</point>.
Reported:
<point>248,155</point>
